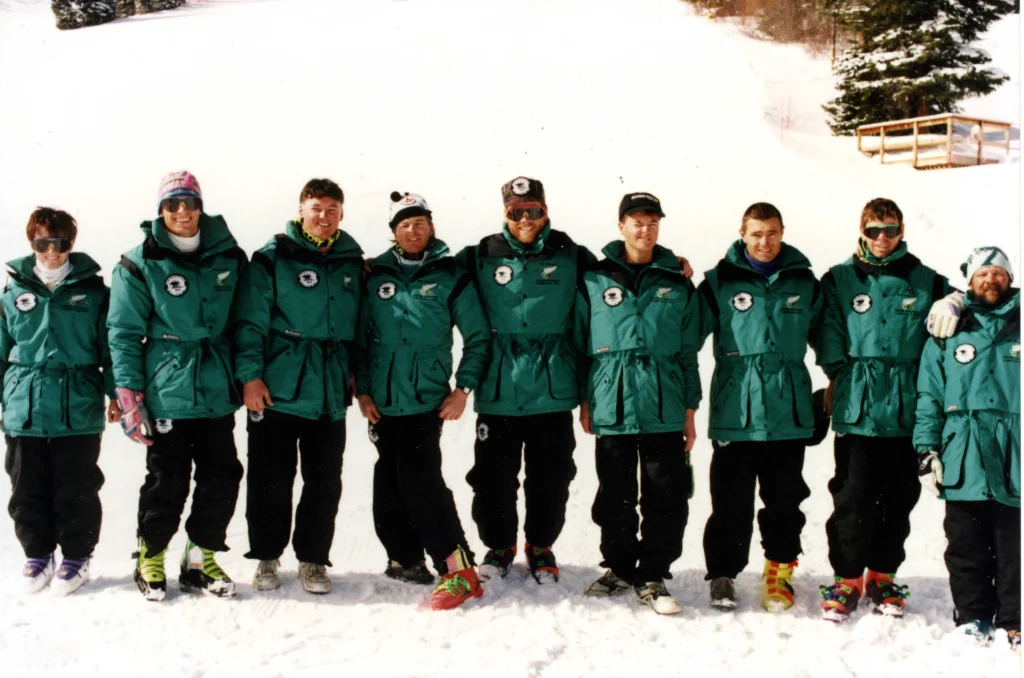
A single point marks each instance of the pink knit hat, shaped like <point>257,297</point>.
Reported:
<point>175,184</point>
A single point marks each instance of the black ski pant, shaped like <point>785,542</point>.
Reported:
<point>55,494</point>
<point>665,484</point>
<point>874,490</point>
<point>413,509</point>
<point>177,445</point>
<point>735,468</point>
<point>983,559</point>
<point>547,443</point>
<point>277,444</point>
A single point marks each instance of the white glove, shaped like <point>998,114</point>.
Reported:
<point>929,471</point>
<point>944,315</point>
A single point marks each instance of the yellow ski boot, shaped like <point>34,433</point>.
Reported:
<point>777,586</point>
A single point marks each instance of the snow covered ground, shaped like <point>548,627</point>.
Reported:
<point>451,99</point>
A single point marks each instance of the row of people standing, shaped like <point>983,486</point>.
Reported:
<point>629,356</point>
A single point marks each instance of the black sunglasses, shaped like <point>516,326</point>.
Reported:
<point>890,230</point>
<point>41,245</point>
<point>532,213</point>
<point>174,204</point>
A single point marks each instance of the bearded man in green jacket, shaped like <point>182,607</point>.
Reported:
<point>763,305</point>
<point>870,349</point>
<point>168,331</point>
<point>526,276</point>
<point>967,435</point>
<point>637,322</point>
<point>295,327</point>
<point>414,295</point>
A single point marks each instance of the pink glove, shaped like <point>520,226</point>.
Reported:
<point>134,416</point>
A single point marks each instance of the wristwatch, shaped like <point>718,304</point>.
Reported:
<point>465,389</point>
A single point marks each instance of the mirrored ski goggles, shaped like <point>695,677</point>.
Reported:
<point>174,204</point>
<point>874,231</point>
<point>531,213</point>
<point>41,245</point>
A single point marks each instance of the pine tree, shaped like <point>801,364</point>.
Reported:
<point>914,58</point>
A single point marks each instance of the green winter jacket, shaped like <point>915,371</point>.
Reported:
<point>527,293</point>
<point>52,348</point>
<point>168,321</point>
<point>761,389</point>
<point>295,320</point>
<point>640,332</point>
<point>406,331</point>
<point>871,340</point>
<point>968,404</point>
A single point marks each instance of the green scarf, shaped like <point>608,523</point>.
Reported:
<point>864,254</point>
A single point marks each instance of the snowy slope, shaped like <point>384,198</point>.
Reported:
<point>451,99</point>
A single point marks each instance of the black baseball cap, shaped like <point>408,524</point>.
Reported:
<point>639,202</point>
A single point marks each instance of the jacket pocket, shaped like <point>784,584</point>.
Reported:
<point>283,369</point>
<point>491,390</point>
<point>561,368</point>
<point>849,395</point>
<point>729,402</point>
<point>1008,446</point>
<point>803,405</point>
<point>953,455</point>
<point>606,395</point>
<point>671,409</point>
<point>433,380</point>
<point>17,399</point>
<point>84,409</point>
<point>171,384</point>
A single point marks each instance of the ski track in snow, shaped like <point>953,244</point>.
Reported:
<point>451,99</point>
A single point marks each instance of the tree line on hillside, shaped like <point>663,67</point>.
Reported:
<point>896,58</point>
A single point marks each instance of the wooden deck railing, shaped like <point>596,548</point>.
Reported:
<point>929,143</point>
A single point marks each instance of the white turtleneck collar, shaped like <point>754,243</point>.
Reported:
<point>185,245</point>
<point>51,277</point>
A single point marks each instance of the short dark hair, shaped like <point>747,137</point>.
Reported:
<point>60,224</point>
<point>322,188</point>
<point>762,211</point>
<point>880,209</point>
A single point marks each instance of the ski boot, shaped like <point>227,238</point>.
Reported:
<point>656,596</point>
<point>149,573</point>
<point>70,577</point>
<point>977,632</point>
<point>37,574</point>
<point>543,565</point>
<point>1014,638</point>
<point>886,595</point>
<point>777,585</point>
<point>723,594</point>
<point>497,562</point>
<point>459,584</point>
<point>609,584</point>
<point>840,599</point>
<point>200,573</point>
<point>417,574</point>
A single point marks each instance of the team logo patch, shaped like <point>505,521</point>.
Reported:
<point>861,303</point>
<point>25,302</point>
<point>222,277</point>
<point>743,301</point>
<point>548,272</point>
<point>176,285</point>
<point>255,417</point>
<point>79,299</point>
<point>163,425</point>
<point>372,433</point>
<point>909,303</point>
<point>309,278</point>
<point>613,296</point>
<point>428,289</point>
<point>1015,351</point>
<point>483,432</point>
<point>521,186</point>
<point>723,443</point>
<point>792,301</point>
<point>965,353</point>
<point>386,290</point>
<point>663,293</point>
<point>503,274</point>
<point>348,281</point>
<point>408,200</point>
